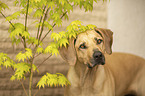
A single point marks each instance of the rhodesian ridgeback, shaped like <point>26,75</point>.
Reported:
<point>96,71</point>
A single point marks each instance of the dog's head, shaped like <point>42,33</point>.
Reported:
<point>89,47</point>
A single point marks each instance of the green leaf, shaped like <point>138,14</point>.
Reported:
<point>74,26</point>
<point>50,48</point>
<point>23,3</point>
<point>55,51</point>
<point>16,14</point>
<point>16,2</point>
<point>51,13</point>
<point>63,42</point>
<point>18,28</point>
<point>3,6</point>
<point>25,34</point>
<point>83,29</point>
<point>58,22</point>
<point>12,78</point>
<point>17,41</point>
<point>19,25</point>
<point>51,4</point>
<point>7,63</point>
<point>20,56</point>
<point>21,70</point>
<point>36,41</point>
<point>51,80</point>
<point>30,10</point>
<point>62,34</point>
<point>13,16</point>
<point>39,50</point>
<point>28,53</point>
<point>62,80</point>
<point>38,24</point>
<point>66,17</point>
<point>55,36</point>
<point>16,32</point>
<point>69,28</point>
<point>34,67</point>
<point>31,40</point>
<point>9,18</point>
<point>62,2</point>
<point>11,28</point>
<point>22,67</point>
<point>77,22</point>
<point>56,16</point>
<point>38,13</point>
<point>14,40</point>
<point>68,7</point>
<point>42,82</point>
<point>46,24</point>
<point>37,1</point>
<point>72,35</point>
<point>73,30</point>
<point>90,26</point>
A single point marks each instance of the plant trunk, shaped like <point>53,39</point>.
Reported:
<point>30,82</point>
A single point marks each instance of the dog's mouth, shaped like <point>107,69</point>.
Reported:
<point>98,59</point>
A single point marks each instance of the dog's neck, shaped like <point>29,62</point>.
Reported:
<point>86,74</point>
<point>88,80</point>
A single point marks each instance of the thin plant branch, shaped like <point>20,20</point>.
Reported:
<point>48,33</point>
<point>31,73</point>
<point>26,19</point>
<point>14,28</point>
<point>40,22</point>
<point>7,20</point>
<point>36,92</point>
<point>53,27</point>
<point>20,82</point>
<point>43,23</point>
<point>24,88</point>
<point>44,61</point>
<point>31,76</point>
<point>37,55</point>
<point>30,81</point>
<point>39,35</point>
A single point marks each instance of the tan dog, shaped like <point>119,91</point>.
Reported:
<point>94,73</point>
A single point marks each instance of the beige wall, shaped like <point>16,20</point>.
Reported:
<point>126,18</point>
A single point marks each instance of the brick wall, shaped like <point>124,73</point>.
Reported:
<point>97,17</point>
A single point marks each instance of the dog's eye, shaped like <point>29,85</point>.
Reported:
<point>99,41</point>
<point>82,46</point>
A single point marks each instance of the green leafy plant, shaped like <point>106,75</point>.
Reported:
<point>48,14</point>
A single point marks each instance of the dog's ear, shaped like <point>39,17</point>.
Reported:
<point>108,39</point>
<point>68,53</point>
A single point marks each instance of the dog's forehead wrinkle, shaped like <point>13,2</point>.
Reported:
<point>82,39</point>
<point>88,38</point>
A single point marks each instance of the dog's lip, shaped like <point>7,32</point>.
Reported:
<point>100,62</point>
<point>91,65</point>
<point>95,62</point>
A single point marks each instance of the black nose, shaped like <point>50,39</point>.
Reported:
<point>97,59</point>
<point>97,55</point>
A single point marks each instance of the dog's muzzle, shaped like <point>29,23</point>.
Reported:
<point>98,59</point>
